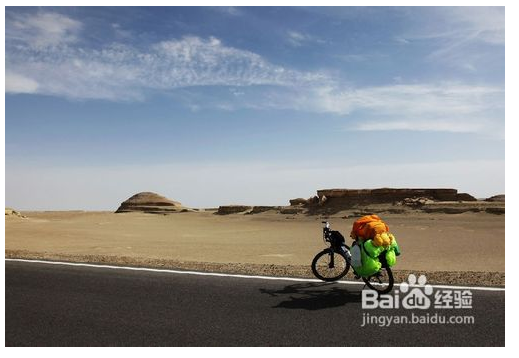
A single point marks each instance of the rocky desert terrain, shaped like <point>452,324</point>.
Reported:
<point>452,241</point>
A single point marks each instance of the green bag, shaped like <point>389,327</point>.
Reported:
<point>373,251</point>
<point>369,255</point>
<point>390,257</point>
<point>392,252</point>
<point>369,266</point>
<point>395,247</point>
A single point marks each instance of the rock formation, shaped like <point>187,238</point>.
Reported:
<point>335,200</point>
<point>390,195</point>
<point>291,210</point>
<point>245,209</point>
<point>233,209</point>
<point>261,209</point>
<point>149,202</point>
<point>415,202</point>
<point>298,201</point>
<point>305,202</point>
<point>499,198</point>
<point>13,213</point>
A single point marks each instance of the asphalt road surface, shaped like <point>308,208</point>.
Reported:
<point>58,305</point>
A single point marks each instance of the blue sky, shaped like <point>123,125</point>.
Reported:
<point>250,105</point>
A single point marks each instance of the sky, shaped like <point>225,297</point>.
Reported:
<point>249,105</point>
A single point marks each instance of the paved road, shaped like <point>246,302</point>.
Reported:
<point>55,305</point>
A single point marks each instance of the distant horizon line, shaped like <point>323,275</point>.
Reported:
<point>189,207</point>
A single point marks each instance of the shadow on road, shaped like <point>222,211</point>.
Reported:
<point>314,296</point>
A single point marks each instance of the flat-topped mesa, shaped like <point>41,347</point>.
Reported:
<point>233,209</point>
<point>149,202</point>
<point>387,195</point>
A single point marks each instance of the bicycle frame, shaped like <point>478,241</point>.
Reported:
<point>336,241</point>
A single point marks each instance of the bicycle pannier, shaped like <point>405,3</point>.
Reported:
<point>356,260</point>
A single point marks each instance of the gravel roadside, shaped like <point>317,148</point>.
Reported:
<point>464,278</point>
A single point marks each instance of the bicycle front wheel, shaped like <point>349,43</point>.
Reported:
<point>329,265</point>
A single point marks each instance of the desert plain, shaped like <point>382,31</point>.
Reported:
<point>465,248</point>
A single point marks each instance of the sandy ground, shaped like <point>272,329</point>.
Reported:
<point>442,245</point>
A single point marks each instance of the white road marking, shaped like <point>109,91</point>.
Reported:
<point>78,264</point>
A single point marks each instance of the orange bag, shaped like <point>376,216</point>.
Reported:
<point>368,226</point>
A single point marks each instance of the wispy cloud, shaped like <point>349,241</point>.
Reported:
<point>41,30</point>
<point>401,40</point>
<point>443,107</point>
<point>414,99</point>
<point>229,10</point>
<point>448,107</point>
<point>458,35</point>
<point>353,57</point>
<point>439,107</point>
<point>120,32</point>
<point>298,39</point>
<point>453,24</point>
<point>485,24</point>
<point>437,125</point>
<point>123,72</point>
<point>16,83</point>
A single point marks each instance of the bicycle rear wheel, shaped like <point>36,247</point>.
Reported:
<point>382,281</point>
<point>329,265</point>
